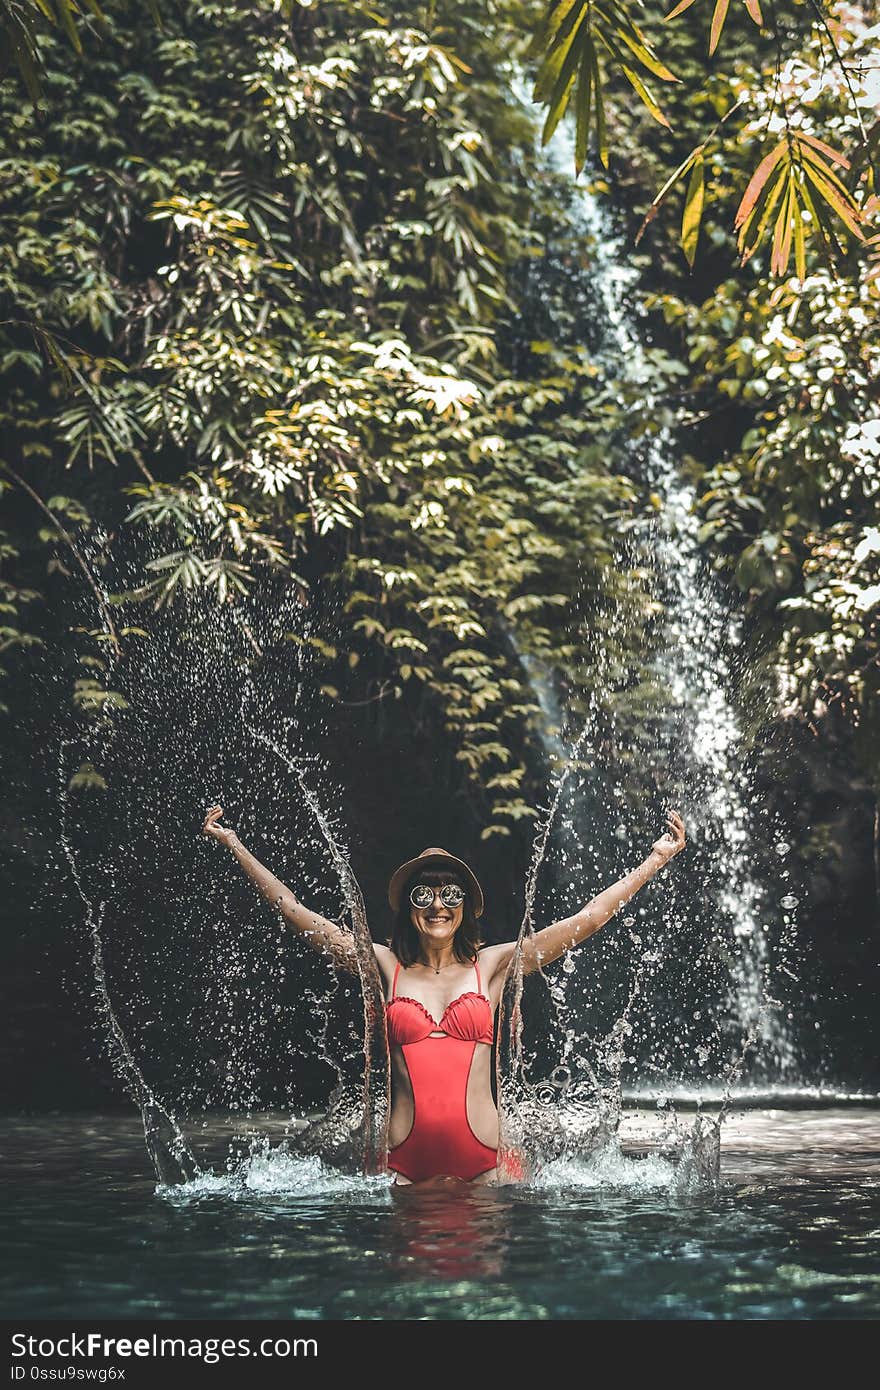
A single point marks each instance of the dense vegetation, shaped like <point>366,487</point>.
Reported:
<point>285,250</point>
<point>780,415</point>
<point>278,304</point>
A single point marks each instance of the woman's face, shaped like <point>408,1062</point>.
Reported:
<point>437,923</point>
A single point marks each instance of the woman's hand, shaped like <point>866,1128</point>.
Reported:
<point>672,841</point>
<point>215,830</point>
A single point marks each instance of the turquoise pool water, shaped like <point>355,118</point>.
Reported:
<point>791,1231</point>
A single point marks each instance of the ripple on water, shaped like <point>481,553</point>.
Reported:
<point>791,1231</point>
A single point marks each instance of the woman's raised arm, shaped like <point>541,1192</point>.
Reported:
<point>318,931</point>
<point>552,942</point>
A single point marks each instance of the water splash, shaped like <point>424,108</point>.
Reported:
<point>169,1152</point>
<point>209,659</point>
<point>530,1128</point>
<point>274,1171</point>
<point>372,1124</point>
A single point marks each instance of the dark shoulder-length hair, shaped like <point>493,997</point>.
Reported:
<point>404,938</point>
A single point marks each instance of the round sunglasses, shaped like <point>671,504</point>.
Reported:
<point>422,895</point>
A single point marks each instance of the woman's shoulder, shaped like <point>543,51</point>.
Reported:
<point>499,948</point>
<point>386,961</point>
<point>496,957</point>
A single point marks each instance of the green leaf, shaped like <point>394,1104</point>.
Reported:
<point>800,250</point>
<point>670,183</point>
<point>693,211</point>
<point>585,82</point>
<point>558,50</point>
<point>545,34</point>
<point>646,56</point>
<point>782,232</point>
<point>647,97</point>
<point>601,133</point>
<point>87,776</point>
<point>65,14</point>
<point>21,42</point>
<point>564,81</point>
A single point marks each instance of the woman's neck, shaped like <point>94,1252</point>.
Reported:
<point>438,957</point>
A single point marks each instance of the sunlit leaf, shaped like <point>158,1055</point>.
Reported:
<point>719,15</point>
<point>679,9</point>
<point>758,180</point>
<point>800,249</point>
<point>766,207</point>
<point>718,18</point>
<point>646,57</point>
<point>782,232</point>
<point>826,149</point>
<point>845,209</point>
<point>693,211</point>
<point>636,82</point>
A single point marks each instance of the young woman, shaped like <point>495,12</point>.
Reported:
<point>442,988</point>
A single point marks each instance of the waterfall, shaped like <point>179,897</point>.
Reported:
<point>700,735</point>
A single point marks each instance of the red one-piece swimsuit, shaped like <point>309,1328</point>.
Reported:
<point>441,1141</point>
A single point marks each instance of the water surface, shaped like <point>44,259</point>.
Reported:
<point>792,1230</point>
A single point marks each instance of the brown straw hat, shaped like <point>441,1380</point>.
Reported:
<point>428,859</point>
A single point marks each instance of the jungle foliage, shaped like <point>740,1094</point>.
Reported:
<point>257,261</point>
<point>262,271</point>
<point>781,412</point>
